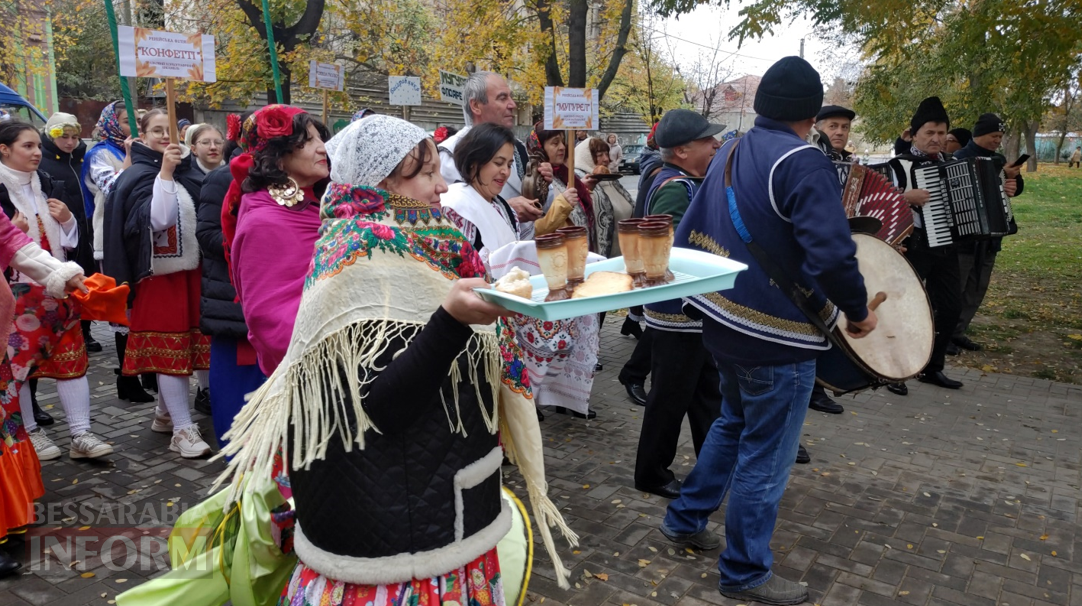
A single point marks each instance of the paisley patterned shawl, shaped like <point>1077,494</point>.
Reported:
<point>383,264</point>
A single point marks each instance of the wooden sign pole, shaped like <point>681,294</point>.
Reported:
<point>171,106</point>
<point>326,107</point>
<point>570,160</point>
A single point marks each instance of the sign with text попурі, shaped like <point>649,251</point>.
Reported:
<point>328,76</point>
<point>452,87</point>
<point>148,53</point>
<point>571,108</point>
<point>404,90</point>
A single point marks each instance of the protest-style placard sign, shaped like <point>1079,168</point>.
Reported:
<point>149,53</point>
<point>571,108</point>
<point>404,90</point>
<point>328,76</point>
<point>451,87</point>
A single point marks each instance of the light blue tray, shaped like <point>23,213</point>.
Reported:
<point>696,272</point>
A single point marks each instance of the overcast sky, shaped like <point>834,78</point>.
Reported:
<point>700,30</point>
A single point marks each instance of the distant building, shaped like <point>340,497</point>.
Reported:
<point>730,103</point>
<point>27,63</point>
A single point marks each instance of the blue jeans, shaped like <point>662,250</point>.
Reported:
<point>748,453</point>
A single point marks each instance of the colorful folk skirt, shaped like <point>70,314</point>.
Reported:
<point>164,336</point>
<point>68,359</point>
<point>20,470</point>
<point>42,327</point>
<point>475,584</point>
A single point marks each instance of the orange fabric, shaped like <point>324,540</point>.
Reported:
<point>106,301</point>
<point>21,485</point>
<point>67,360</point>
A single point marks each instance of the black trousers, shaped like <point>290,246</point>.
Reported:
<point>685,381</point>
<point>938,267</point>
<point>975,264</point>
<point>637,367</point>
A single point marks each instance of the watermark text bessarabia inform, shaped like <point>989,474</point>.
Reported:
<point>119,536</point>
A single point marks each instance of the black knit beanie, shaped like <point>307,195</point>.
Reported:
<point>988,123</point>
<point>790,91</point>
<point>930,110</point>
<point>962,135</point>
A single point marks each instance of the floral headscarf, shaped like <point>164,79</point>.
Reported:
<point>108,127</point>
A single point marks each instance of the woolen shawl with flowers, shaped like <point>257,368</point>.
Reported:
<point>383,263</point>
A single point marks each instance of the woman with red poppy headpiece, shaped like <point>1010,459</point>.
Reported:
<point>271,221</point>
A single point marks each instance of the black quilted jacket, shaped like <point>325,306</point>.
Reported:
<point>397,496</point>
<point>221,315</point>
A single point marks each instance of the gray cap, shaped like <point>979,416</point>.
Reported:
<point>680,126</point>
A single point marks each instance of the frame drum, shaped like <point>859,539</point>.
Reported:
<point>901,345</point>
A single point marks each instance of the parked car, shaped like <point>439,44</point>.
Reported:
<point>629,164</point>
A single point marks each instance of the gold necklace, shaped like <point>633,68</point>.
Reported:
<point>288,194</point>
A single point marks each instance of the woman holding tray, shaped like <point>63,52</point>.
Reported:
<point>390,395</point>
<point>560,356</point>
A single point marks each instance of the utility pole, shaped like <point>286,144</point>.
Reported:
<point>802,48</point>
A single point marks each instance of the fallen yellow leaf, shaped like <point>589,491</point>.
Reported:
<point>903,593</point>
<point>1054,554</point>
<point>1021,465</point>
<point>87,575</point>
<point>601,576</point>
<point>1044,537</point>
<point>1024,557</point>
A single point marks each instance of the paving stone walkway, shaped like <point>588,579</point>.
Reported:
<point>966,498</point>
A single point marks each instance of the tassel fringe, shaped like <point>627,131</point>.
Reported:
<point>311,394</point>
<point>544,511</point>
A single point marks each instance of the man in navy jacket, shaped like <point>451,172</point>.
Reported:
<point>784,196</point>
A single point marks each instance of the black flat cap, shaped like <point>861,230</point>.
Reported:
<point>834,111</point>
<point>680,126</point>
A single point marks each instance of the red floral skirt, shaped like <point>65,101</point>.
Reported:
<point>475,584</point>
<point>42,323</point>
<point>164,336</point>
<point>67,360</point>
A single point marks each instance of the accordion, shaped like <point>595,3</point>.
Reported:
<point>867,193</point>
<point>967,201</point>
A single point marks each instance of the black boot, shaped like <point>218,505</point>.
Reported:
<point>149,381</point>
<point>8,565</point>
<point>92,346</point>
<point>631,328</point>
<point>128,388</point>
<point>202,401</point>
<point>40,416</point>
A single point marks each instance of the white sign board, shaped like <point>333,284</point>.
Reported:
<point>451,87</point>
<point>571,108</point>
<point>148,53</point>
<point>329,76</point>
<point>405,90</point>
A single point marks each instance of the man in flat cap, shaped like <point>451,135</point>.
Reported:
<point>832,125</point>
<point>684,376</point>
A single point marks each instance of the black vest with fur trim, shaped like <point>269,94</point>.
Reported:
<point>417,502</point>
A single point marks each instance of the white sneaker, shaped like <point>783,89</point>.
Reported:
<point>88,446</point>
<point>163,423</point>
<point>47,451</point>
<point>189,443</point>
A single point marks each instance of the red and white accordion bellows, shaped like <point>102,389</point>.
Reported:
<point>868,193</point>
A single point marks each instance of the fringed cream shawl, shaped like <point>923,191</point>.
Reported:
<point>383,264</point>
